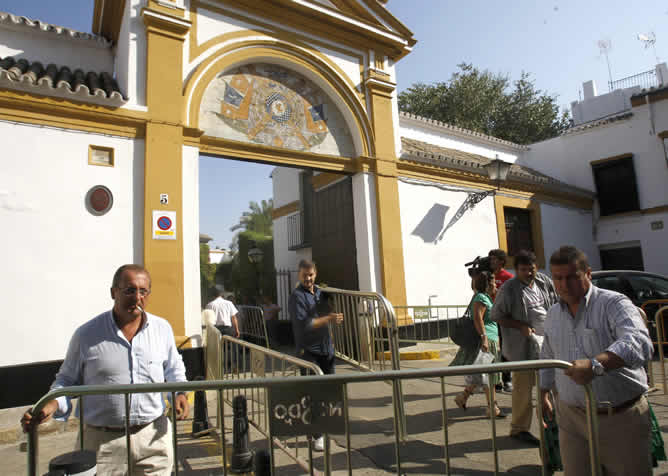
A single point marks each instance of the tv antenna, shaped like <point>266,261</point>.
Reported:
<point>649,40</point>
<point>604,47</point>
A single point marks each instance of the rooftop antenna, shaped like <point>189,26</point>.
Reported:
<point>604,47</point>
<point>648,40</point>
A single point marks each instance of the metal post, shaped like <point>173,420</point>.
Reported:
<point>491,392</point>
<point>592,428</point>
<point>658,318</point>
<point>174,435</point>
<point>81,423</point>
<point>446,439</point>
<point>128,446</point>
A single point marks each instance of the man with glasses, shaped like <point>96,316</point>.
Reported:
<point>125,345</point>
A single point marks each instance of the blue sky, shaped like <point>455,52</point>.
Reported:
<point>555,41</point>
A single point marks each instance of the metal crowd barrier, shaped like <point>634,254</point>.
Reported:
<point>252,324</point>
<point>327,397</point>
<point>427,323</point>
<point>369,329</point>
<point>660,338</point>
<point>238,360</point>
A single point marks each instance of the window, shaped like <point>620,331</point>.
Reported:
<point>519,226</point>
<point>518,230</point>
<point>628,257</point>
<point>648,287</point>
<point>616,186</point>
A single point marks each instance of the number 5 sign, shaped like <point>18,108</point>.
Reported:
<point>164,225</point>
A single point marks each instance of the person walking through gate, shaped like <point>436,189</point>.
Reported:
<point>484,286</point>
<point>497,261</point>
<point>125,345</point>
<point>310,317</point>
<point>520,308</point>
<point>227,321</point>
<point>602,334</point>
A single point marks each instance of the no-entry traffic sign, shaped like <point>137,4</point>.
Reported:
<point>164,225</point>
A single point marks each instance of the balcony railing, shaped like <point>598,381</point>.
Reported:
<point>645,80</point>
<point>299,235</point>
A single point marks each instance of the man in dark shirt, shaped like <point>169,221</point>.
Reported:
<point>310,316</point>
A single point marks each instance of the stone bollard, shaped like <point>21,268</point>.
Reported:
<point>242,456</point>
<point>201,417</point>
<point>81,463</point>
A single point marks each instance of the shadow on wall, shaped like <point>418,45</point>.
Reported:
<point>431,225</point>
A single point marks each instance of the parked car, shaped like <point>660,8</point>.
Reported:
<point>639,287</point>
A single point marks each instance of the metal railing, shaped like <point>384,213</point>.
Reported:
<point>369,329</point>
<point>252,324</point>
<point>303,387</point>
<point>237,360</point>
<point>427,323</point>
<point>286,280</point>
<point>658,325</point>
<point>646,80</point>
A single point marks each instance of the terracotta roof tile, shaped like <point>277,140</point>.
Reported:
<point>39,26</point>
<point>423,152</point>
<point>60,81</point>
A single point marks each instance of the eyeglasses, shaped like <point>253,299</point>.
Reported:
<point>143,292</point>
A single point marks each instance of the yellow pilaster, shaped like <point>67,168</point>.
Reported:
<point>163,161</point>
<point>391,248</point>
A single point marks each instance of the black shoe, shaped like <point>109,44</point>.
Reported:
<point>526,437</point>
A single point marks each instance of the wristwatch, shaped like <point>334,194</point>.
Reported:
<point>597,368</point>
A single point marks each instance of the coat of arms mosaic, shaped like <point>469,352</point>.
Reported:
<point>271,105</point>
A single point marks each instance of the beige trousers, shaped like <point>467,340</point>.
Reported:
<point>523,383</point>
<point>623,441</point>
<point>151,450</point>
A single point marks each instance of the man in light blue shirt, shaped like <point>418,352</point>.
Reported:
<point>125,345</point>
<point>602,334</point>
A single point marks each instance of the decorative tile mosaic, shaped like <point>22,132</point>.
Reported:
<point>268,104</point>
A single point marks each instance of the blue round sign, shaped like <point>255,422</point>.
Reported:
<point>164,223</point>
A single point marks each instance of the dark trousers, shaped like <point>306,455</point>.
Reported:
<point>326,364</point>
<point>505,376</point>
<point>232,355</point>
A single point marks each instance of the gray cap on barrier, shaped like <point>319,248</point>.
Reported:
<point>76,463</point>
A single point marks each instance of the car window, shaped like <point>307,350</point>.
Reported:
<point>612,283</point>
<point>648,287</point>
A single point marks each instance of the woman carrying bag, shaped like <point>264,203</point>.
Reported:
<point>486,351</point>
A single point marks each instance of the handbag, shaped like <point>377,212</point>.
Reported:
<point>463,331</point>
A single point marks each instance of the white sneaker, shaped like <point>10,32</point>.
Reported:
<point>319,444</point>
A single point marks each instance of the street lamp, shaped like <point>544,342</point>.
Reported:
<point>255,256</point>
<point>498,170</point>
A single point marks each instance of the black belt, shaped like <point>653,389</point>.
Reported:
<point>121,429</point>
<point>621,407</point>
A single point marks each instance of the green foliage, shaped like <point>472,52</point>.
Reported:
<point>240,276</point>
<point>257,219</point>
<point>488,103</point>
<point>207,272</point>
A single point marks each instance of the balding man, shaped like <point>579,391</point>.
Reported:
<point>125,345</point>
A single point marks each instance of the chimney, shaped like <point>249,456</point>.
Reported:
<point>589,89</point>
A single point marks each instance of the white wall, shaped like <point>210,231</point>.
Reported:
<point>59,258</point>
<point>568,226</point>
<point>130,61</point>
<point>366,232</point>
<point>437,266</point>
<point>568,158</point>
<point>285,184</point>
<point>48,47</point>
<point>190,229</point>
<point>638,228</point>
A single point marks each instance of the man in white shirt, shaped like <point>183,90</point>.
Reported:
<point>125,345</point>
<point>226,316</point>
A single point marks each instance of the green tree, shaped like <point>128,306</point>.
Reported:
<point>207,272</point>
<point>490,104</point>
<point>258,219</point>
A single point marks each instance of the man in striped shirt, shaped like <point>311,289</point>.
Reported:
<point>602,334</point>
